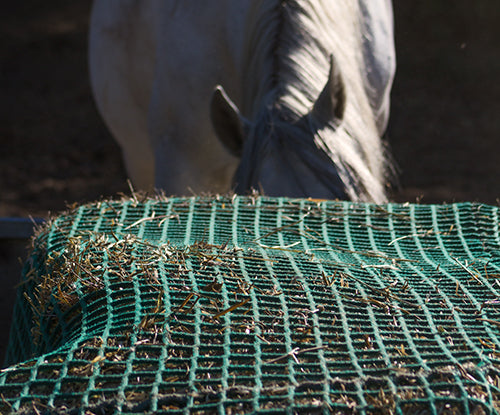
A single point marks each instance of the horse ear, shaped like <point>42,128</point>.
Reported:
<point>228,123</point>
<point>331,102</point>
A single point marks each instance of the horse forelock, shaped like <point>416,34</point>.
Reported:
<point>287,62</point>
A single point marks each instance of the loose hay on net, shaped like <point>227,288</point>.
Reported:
<point>242,305</point>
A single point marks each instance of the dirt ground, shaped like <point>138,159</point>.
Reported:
<point>54,148</point>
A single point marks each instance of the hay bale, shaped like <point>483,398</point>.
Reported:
<point>253,304</point>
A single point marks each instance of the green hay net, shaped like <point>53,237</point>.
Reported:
<point>259,305</point>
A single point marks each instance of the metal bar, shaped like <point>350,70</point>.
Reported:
<point>18,228</point>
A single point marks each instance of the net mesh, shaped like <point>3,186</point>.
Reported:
<point>252,304</point>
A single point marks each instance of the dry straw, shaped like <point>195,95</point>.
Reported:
<point>258,305</point>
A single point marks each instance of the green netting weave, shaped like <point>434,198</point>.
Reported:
<point>245,305</point>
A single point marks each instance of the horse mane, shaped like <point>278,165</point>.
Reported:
<point>288,45</point>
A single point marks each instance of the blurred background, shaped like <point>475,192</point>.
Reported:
<point>444,127</point>
<point>54,148</point>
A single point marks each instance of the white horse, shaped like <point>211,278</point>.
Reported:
<point>309,83</point>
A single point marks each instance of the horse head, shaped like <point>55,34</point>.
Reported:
<point>280,153</point>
